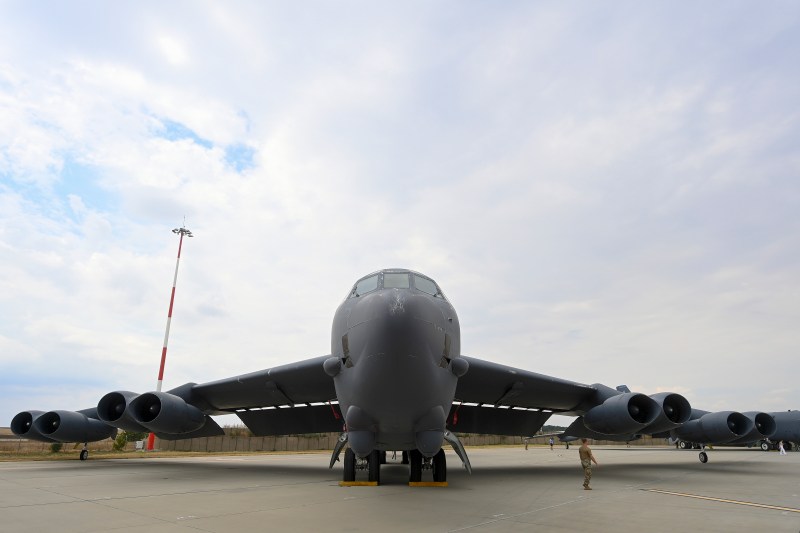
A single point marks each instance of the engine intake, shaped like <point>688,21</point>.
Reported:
<point>764,426</point>
<point>69,426</point>
<point>674,411</point>
<point>764,423</point>
<point>716,428</point>
<point>623,413</point>
<point>162,412</point>
<point>22,425</point>
<point>113,409</point>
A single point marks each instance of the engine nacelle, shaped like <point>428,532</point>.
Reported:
<point>674,410</point>
<point>69,426</point>
<point>113,409</point>
<point>764,426</point>
<point>716,428</point>
<point>623,413</point>
<point>161,412</point>
<point>22,425</point>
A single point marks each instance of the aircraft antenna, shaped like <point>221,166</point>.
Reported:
<point>183,232</point>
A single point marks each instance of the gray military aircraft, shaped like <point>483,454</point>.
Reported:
<point>394,380</point>
<point>770,428</point>
<point>722,428</point>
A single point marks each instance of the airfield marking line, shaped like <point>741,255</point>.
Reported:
<point>723,500</point>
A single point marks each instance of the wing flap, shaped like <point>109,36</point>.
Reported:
<point>293,420</point>
<point>495,421</point>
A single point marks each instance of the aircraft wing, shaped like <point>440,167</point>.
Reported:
<point>511,401</point>
<point>276,401</point>
<point>495,384</point>
<point>289,399</point>
<point>297,383</point>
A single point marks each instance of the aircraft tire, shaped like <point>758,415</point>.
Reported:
<point>440,467</point>
<point>682,445</point>
<point>84,455</point>
<point>349,465</point>
<point>703,457</point>
<point>764,446</point>
<point>414,466</point>
<point>374,461</point>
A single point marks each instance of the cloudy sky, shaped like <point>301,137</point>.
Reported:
<point>606,192</point>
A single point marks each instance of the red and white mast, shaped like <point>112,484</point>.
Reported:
<point>182,231</point>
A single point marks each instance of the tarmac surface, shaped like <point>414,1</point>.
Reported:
<point>511,489</point>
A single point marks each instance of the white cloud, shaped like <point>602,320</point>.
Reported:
<point>611,202</point>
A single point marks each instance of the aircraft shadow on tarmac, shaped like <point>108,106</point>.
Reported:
<point>392,473</point>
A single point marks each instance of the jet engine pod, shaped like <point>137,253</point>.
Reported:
<point>764,426</point>
<point>113,410</point>
<point>22,425</point>
<point>716,428</point>
<point>674,411</point>
<point>623,413</point>
<point>764,423</point>
<point>162,412</point>
<point>69,426</point>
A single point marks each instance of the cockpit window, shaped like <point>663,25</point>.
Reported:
<point>427,286</point>
<point>365,285</point>
<point>395,280</point>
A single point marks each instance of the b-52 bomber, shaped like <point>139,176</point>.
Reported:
<point>702,428</point>
<point>395,380</point>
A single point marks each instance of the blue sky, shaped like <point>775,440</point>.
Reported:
<point>607,193</point>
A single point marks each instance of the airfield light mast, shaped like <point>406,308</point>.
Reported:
<point>182,231</point>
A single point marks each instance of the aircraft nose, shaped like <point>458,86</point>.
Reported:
<point>397,322</point>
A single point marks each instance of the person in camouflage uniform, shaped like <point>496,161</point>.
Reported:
<point>587,458</point>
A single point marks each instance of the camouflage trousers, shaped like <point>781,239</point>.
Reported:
<point>587,472</point>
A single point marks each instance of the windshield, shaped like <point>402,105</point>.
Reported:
<point>365,285</point>
<point>395,280</point>
<point>426,285</point>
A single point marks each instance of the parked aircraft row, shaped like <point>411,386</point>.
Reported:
<point>713,429</point>
<point>394,380</point>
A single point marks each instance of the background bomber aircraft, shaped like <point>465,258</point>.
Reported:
<point>394,380</point>
<point>767,430</point>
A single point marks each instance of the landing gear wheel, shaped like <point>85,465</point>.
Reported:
<point>349,465</point>
<point>415,466</point>
<point>84,455</point>
<point>764,446</point>
<point>703,457</point>
<point>682,445</point>
<point>374,461</point>
<point>440,467</point>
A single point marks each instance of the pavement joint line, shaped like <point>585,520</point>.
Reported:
<point>723,500</point>
<point>555,506</point>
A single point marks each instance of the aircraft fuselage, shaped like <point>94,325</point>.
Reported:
<point>396,384</point>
